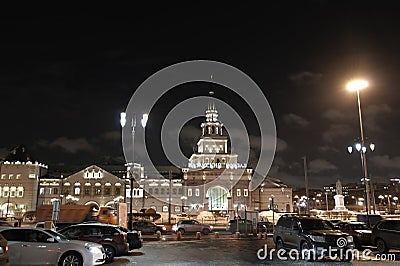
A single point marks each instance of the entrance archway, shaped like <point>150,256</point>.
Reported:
<point>217,198</point>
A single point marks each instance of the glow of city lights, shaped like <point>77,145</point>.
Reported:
<point>356,85</point>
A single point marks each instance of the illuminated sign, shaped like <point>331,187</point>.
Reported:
<point>217,165</point>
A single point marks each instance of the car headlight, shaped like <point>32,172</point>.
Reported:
<point>93,249</point>
<point>174,227</point>
<point>349,239</point>
<point>318,238</point>
<point>164,228</point>
<point>211,227</point>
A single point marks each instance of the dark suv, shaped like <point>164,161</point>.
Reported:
<point>386,235</point>
<point>116,240</point>
<point>313,237</point>
<point>147,227</point>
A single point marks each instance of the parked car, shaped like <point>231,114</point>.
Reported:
<point>45,248</point>
<point>386,235</point>
<point>113,238</point>
<point>313,236</point>
<point>4,251</point>
<point>360,231</point>
<point>372,218</point>
<point>5,224</point>
<point>265,227</point>
<point>146,227</point>
<point>240,225</point>
<point>192,226</point>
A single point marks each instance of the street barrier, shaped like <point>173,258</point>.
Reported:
<point>237,234</point>
<point>178,235</point>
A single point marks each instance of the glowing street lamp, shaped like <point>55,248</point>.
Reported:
<point>357,85</point>
<point>133,125</point>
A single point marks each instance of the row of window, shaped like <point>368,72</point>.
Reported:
<point>10,176</point>
<point>12,192</point>
<point>164,191</point>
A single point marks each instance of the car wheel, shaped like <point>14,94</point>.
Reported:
<point>357,244</point>
<point>71,258</point>
<point>381,246</point>
<point>110,253</point>
<point>182,231</point>
<point>306,252</point>
<point>206,231</point>
<point>279,244</point>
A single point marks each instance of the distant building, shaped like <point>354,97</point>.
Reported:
<point>19,177</point>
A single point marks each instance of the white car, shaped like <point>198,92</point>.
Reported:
<point>33,246</point>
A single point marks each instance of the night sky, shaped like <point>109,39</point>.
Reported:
<point>65,79</point>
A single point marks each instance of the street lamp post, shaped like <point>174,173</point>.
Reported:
<point>273,209</point>
<point>131,176</point>
<point>259,196</point>
<point>183,198</point>
<point>357,85</point>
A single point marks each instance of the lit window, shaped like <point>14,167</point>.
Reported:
<point>1,191</point>
<point>41,191</point>
<point>238,192</point>
<point>245,192</point>
<point>165,208</point>
<point>18,176</point>
<point>10,176</point>
<point>177,209</point>
<point>197,192</point>
<point>189,192</point>
<point>3,176</point>
<point>77,190</point>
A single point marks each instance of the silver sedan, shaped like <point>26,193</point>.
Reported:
<point>32,246</point>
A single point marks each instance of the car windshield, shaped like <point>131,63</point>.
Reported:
<point>56,235</point>
<point>359,227</point>
<point>311,224</point>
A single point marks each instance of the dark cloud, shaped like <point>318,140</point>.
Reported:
<point>69,145</point>
<point>320,166</point>
<point>385,161</point>
<point>293,119</point>
<point>305,75</point>
<point>335,131</point>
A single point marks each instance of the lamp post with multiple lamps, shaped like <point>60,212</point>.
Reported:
<point>357,85</point>
<point>131,176</point>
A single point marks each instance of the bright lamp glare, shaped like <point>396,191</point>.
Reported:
<point>350,149</point>
<point>364,149</point>
<point>144,120</point>
<point>372,146</point>
<point>356,85</point>
<point>358,146</point>
<point>123,119</point>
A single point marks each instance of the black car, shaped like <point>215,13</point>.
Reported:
<point>146,227</point>
<point>240,225</point>
<point>386,235</point>
<point>314,237</point>
<point>116,240</point>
